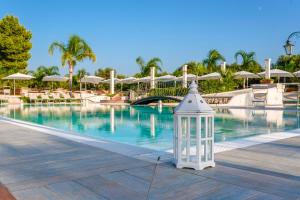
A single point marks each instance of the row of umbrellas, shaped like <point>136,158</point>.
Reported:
<point>212,76</point>
<point>20,76</point>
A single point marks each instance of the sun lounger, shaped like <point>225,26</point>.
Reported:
<point>6,91</point>
<point>77,96</point>
<point>45,98</point>
<point>3,100</point>
<point>259,98</point>
<point>58,97</point>
<point>259,95</point>
<point>34,97</point>
<point>68,97</point>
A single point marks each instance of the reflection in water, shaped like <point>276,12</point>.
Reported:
<point>148,126</point>
<point>112,119</point>
<point>159,106</point>
<point>152,125</point>
<point>275,116</point>
<point>270,116</point>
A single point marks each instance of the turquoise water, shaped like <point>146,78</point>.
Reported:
<point>148,126</point>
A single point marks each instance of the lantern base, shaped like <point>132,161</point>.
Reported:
<point>195,166</point>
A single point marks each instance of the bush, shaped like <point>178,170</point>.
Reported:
<point>227,83</point>
<point>25,99</point>
<point>168,92</point>
<point>110,95</point>
<point>266,81</point>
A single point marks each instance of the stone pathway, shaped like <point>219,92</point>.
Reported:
<point>37,166</point>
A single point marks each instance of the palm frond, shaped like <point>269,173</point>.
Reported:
<point>56,45</point>
<point>140,61</point>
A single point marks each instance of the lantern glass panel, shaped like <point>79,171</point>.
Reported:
<point>175,136</point>
<point>203,151</point>
<point>209,127</point>
<point>209,150</point>
<point>184,129</point>
<point>203,127</point>
<point>290,50</point>
<point>193,129</point>
<point>193,139</point>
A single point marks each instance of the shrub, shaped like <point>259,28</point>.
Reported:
<point>168,91</point>
<point>25,99</point>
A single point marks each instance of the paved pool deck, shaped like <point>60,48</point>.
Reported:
<point>37,166</point>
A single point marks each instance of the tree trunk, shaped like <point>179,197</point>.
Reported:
<point>70,77</point>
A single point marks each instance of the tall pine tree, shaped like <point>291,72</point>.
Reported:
<point>15,46</point>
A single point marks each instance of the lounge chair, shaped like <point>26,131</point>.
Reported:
<point>6,91</point>
<point>58,97</point>
<point>259,96</point>
<point>68,97</point>
<point>77,97</point>
<point>34,97</point>
<point>45,98</point>
<point>3,100</point>
<point>51,98</point>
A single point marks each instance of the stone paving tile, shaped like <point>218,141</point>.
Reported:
<point>264,183</point>
<point>37,193</point>
<point>162,172</point>
<point>229,192</point>
<point>110,189</point>
<point>73,191</point>
<point>264,196</point>
<point>185,192</point>
<point>137,184</point>
<point>279,168</point>
<point>48,178</point>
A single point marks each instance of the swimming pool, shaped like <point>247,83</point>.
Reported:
<point>148,126</point>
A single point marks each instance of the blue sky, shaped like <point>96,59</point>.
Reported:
<point>177,31</point>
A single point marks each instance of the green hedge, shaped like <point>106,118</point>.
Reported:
<point>25,99</point>
<point>168,92</point>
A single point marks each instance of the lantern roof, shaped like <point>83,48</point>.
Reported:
<point>193,102</point>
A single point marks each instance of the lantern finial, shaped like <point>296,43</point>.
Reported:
<point>193,102</point>
<point>193,88</point>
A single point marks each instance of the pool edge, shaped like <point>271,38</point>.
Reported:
<point>144,153</point>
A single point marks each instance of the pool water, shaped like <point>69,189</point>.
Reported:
<point>148,126</point>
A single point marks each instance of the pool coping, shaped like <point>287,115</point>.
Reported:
<point>144,153</point>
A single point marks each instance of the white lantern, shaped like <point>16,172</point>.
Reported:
<point>194,132</point>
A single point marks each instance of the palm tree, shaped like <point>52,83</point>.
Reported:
<point>76,50</point>
<point>104,72</point>
<point>289,63</point>
<point>212,60</point>
<point>248,59</point>
<point>193,67</point>
<point>41,72</point>
<point>80,74</point>
<point>145,67</point>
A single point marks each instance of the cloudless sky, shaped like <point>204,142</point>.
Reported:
<point>177,31</point>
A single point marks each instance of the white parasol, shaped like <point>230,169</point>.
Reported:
<point>245,75</point>
<point>17,76</point>
<point>211,76</point>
